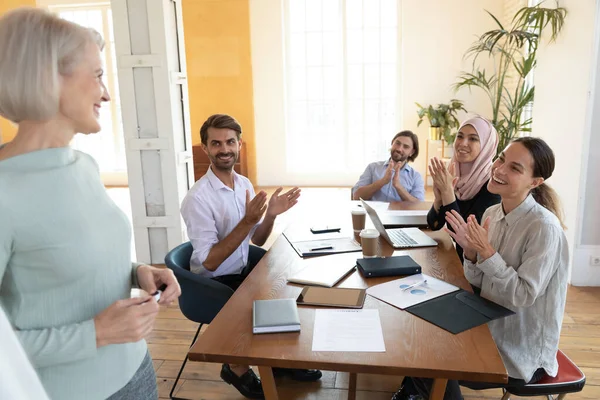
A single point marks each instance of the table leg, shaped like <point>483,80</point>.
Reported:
<point>352,387</point>
<point>439,388</point>
<point>268,383</point>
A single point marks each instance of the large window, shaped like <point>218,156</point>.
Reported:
<point>341,83</point>
<point>107,146</point>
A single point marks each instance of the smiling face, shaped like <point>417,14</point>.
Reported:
<point>222,148</point>
<point>467,145</point>
<point>402,149</point>
<point>83,92</point>
<point>512,173</point>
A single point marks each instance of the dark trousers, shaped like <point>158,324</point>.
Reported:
<point>255,254</point>
<point>423,386</point>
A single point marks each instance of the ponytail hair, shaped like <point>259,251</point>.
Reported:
<point>543,166</point>
<point>547,197</point>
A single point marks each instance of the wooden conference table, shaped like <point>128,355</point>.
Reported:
<point>414,347</point>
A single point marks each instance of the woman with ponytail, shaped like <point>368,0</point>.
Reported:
<point>519,258</point>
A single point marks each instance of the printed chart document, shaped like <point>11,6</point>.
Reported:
<point>415,289</point>
<point>348,330</point>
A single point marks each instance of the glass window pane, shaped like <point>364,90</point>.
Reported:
<point>354,82</point>
<point>298,84</point>
<point>314,83</point>
<point>389,49</point>
<point>372,83</point>
<point>297,16</point>
<point>314,48</point>
<point>297,49</point>
<point>371,46</point>
<point>371,14</point>
<point>354,46</point>
<point>331,49</point>
<point>314,15</point>
<point>331,84</point>
<point>354,13</point>
<point>331,15</point>
<point>388,81</point>
<point>389,13</point>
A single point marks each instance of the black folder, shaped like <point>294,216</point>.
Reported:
<point>388,266</point>
<point>459,311</point>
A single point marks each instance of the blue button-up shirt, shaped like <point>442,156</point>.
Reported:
<point>410,179</point>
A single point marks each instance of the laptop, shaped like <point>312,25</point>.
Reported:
<point>400,238</point>
<point>403,218</point>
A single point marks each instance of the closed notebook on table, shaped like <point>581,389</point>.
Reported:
<point>459,311</point>
<point>387,266</point>
<point>276,315</point>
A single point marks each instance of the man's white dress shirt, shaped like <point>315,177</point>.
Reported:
<point>211,210</point>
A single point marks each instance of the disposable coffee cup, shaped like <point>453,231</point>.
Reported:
<point>369,239</point>
<point>358,219</point>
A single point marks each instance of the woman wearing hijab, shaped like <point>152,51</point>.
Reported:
<point>462,186</point>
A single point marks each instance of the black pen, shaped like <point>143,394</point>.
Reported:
<point>322,248</point>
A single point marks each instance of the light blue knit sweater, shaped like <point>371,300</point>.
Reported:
<point>64,257</point>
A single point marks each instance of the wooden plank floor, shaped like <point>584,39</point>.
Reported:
<point>169,342</point>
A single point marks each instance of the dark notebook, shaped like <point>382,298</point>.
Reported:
<point>387,266</point>
<point>459,311</point>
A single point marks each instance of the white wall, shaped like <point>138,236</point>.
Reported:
<point>435,34</point>
<point>588,238</point>
<point>561,115</point>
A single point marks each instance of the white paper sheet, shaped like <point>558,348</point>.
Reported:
<point>348,330</point>
<point>392,293</point>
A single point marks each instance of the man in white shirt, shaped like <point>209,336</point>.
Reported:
<point>222,214</point>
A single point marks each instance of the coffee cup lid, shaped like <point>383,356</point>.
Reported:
<point>369,233</point>
<point>358,211</point>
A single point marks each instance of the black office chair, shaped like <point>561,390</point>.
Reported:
<point>201,298</point>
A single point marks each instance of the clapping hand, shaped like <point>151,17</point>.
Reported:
<point>280,203</point>
<point>397,183</point>
<point>387,177</point>
<point>443,180</point>
<point>256,207</point>
<point>477,237</point>
<point>459,228</point>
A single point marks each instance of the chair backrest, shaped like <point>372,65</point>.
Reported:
<point>180,257</point>
<point>201,298</point>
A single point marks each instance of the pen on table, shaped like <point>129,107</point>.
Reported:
<point>322,248</point>
<point>415,284</point>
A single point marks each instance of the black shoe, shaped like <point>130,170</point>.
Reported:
<point>402,395</point>
<point>303,375</point>
<point>248,384</point>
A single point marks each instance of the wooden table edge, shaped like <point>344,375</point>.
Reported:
<point>350,368</point>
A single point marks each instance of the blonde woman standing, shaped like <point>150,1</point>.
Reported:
<point>65,262</point>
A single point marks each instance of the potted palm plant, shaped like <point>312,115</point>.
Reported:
<point>442,119</point>
<point>513,51</point>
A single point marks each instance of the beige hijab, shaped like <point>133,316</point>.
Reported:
<point>472,176</point>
